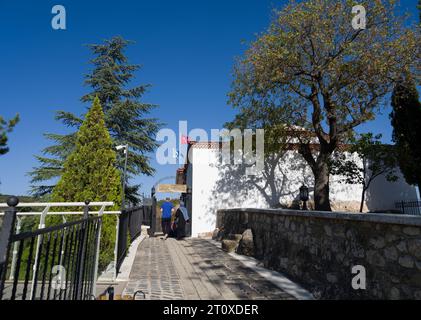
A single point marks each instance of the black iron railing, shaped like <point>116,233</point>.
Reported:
<point>53,263</point>
<point>153,215</point>
<point>409,207</point>
<point>147,215</point>
<point>130,227</point>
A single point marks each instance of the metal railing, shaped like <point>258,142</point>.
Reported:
<point>147,215</point>
<point>58,262</point>
<point>409,207</point>
<point>129,228</point>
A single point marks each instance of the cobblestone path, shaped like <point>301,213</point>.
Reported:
<point>154,273</point>
<point>195,269</point>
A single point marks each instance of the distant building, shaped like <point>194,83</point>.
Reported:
<point>215,186</point>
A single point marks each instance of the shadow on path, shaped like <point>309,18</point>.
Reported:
<point>195,269</point>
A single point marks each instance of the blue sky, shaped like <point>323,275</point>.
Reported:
<point>187,49</point>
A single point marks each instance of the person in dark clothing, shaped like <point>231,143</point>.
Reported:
<point>181,218</point>
<point>173,231</point>
<point>167,209</point>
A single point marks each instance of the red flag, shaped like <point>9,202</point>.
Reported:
<point>184,139</point>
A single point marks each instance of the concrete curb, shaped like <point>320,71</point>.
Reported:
<point>126,266</point>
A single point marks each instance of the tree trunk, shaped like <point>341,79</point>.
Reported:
<point>362,199</point>
<point>321,186</point>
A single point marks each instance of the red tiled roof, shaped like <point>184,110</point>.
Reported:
<point>206,145</point>
<point>289,146</point>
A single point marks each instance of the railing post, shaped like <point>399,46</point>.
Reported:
<point>153,216</point>
<point>64,238</point>
<point>81,269</point>
<point>15,249</point>
<point>98,244</point>
<point>6,235</point>
<point>39,239</point>
<point>117,235</point>
<point>110,292</point>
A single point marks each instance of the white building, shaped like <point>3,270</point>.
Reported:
<point>216,186</point>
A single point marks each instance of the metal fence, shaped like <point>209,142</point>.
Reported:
<point>129,228</point>
<point>51,263</point>
<point>409,207</point>
<point>147,216</point>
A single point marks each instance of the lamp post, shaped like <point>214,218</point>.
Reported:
<point>126,152</point>
<point>304,196</point>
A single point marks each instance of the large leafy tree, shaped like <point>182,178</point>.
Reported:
<point>406,119</point>
<point>5,128</point>
<point>90,174</point>
<point>327,77</point>
<point>127,118</point>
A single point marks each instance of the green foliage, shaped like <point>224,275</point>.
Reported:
<point>318,73</point>
<point>277,134</point>
<point>377,159</point>
<point>5,128</point>
<point>90,174</point>
<point>406,119</point>
<point>126,118</point>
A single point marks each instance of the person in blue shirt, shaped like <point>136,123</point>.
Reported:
<point>167,209</point>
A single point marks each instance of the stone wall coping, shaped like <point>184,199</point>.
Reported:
<point>399,219</point>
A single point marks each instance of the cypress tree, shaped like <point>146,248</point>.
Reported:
<point>90,174</point>
<point>406,119</point>
<point>126,117</point>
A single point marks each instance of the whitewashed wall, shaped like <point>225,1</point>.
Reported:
<point>382,195</point>
<point>217,186</point>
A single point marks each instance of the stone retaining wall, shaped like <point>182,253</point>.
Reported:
<point>319,249</point>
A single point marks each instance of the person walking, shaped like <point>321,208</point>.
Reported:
<point>181,218</point>
<point>167,209</point>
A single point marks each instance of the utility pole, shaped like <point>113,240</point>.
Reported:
<point>126,152</point>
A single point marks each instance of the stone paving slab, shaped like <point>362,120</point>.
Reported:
<point>195,269</point>
<point>154,273</point>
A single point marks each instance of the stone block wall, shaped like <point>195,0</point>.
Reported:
<point>319,249</point>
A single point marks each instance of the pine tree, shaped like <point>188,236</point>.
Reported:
<point>89,173</point>
<point>126,118</point>
<point>5,128</point>
<point>406,119</point>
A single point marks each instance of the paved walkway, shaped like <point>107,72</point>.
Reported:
<point>195,269</point>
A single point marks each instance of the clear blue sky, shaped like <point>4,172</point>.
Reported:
<point>187,49</point>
